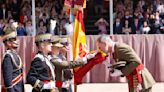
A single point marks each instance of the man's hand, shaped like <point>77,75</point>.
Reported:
<point>116,73</point>
<point>91,55</point>
<point>87,57</point>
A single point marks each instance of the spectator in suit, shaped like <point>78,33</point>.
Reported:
<point>3,12</point>
<point>117,27</point>
<point>136,26</point>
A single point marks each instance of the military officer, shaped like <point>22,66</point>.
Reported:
<point>60,63</point>
<point>12,64</point>
<point>41,74</point>
<point>66,73</point>
<point>127,63</point>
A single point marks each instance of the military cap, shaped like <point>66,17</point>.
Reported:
<point>9,35</point>
<point>64,40</point>
<point>118,65</point>
<point>43,38</point>
<point>56,41</point>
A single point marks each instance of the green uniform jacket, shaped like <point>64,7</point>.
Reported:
<point>62,64</point>
<point>123,52</point>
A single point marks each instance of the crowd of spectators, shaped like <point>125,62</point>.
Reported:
<point>21,11</point>
<point>138,16</point>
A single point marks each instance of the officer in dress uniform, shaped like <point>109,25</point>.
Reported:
<point>12,64</point>
<point>60,63</point>
<point>127,63</point>
<point>41,74</point>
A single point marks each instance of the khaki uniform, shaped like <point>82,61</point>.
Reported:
<point>124,53</point>
<point>60,65</point>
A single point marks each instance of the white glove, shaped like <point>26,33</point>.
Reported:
<point>139,86</point>
<point>49,85</point>
<point>66,84</point>
<point>91,55</point>
<point>116,73</point>
<point>84,59</point>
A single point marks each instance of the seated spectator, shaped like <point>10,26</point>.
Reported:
<point>127,28</point>
<point>127,16</point>
<point>9,26</point>
<point>102,24</point>
<point>158,22</point>
<point>145,28</point>
<point>21,30</point>
<point>41,28</point>
<point>3,12</point>
<point>29,28</point>
<point>136,27</point>
<point>117,27</point>
<point>2,25</point>
<point>162,27</point>
<point>69,27</point>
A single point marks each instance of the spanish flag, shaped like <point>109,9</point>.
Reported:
<point>80,50</point>
<point>79,37</point>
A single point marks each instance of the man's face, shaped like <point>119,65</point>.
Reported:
<point>47,46</point>
<point>103,46</point>
<point>12,43</point>
<point>56,49</point>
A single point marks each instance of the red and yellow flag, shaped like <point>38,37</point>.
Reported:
<point>79,37</point>
<point>80,50</point>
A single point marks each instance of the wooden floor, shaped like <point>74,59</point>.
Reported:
<point>113,87</point>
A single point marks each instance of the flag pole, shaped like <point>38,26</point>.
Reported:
<point>111,16</point>
<point>33,17</point>
<point>72,6</point>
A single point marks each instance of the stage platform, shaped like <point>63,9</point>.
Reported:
<point>105,87</point>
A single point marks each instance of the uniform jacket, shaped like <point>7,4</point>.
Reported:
<point>39,73</point>
<point>63,64</point>
<point>123,52</point>
<point>12,68</point>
